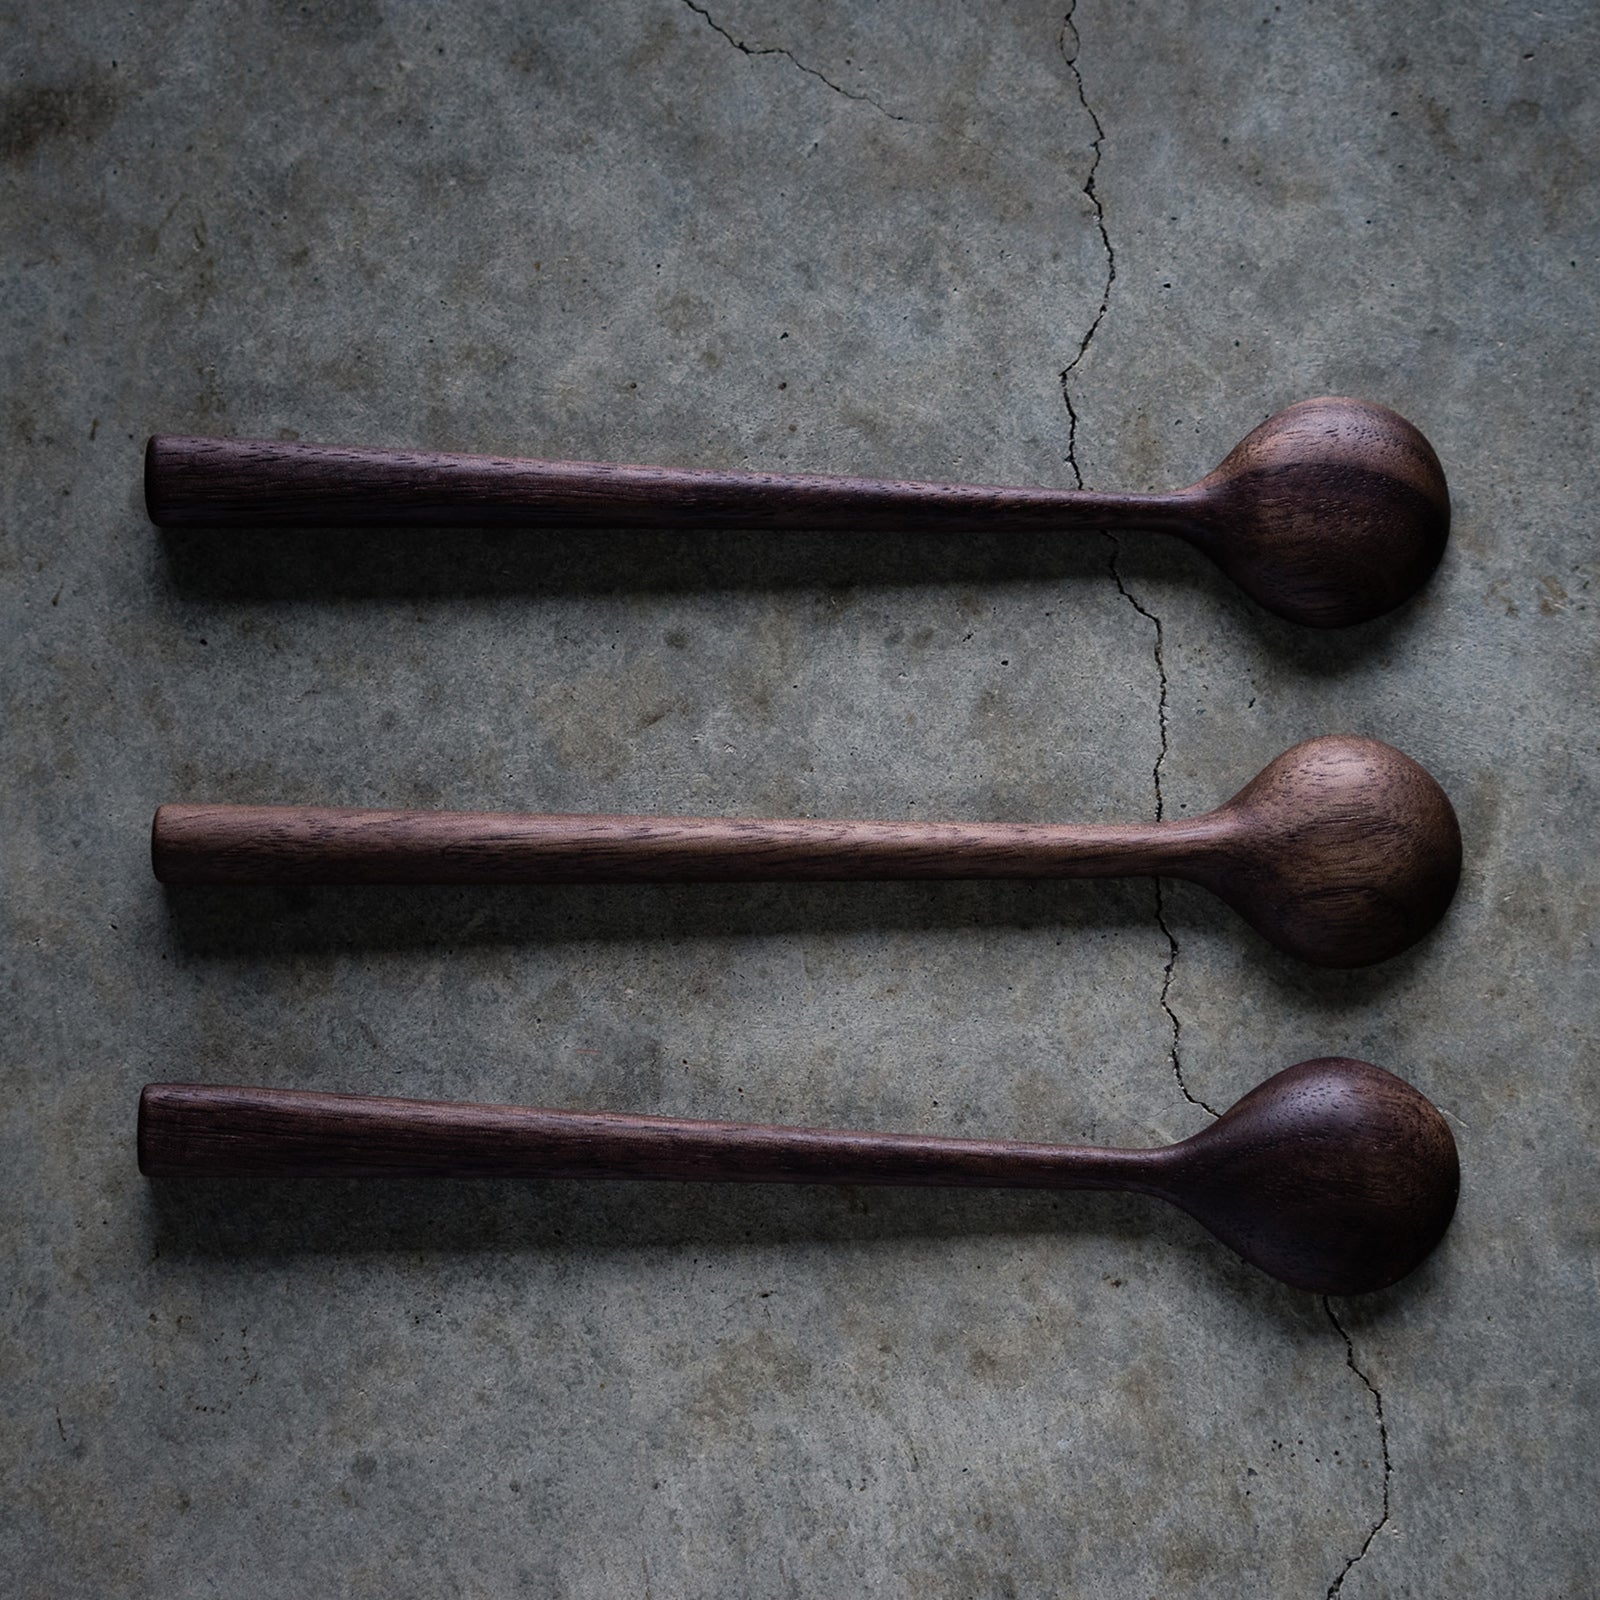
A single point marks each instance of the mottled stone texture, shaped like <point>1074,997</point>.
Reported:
<point>810,237</point>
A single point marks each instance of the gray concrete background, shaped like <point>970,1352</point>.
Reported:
<point>822,238</point>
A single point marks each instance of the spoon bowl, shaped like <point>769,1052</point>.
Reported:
<point>1332,512</point>
<point>1342,851</point>
<point>1333,1175</point>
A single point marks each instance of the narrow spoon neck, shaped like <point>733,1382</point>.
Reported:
<point>1096,1167</point>
<point>1180,512</point>
<point>1176,848</point>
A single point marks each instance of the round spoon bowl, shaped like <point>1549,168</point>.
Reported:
<point>1332,512</point>
<point>1333,1176</point>
<point>1342,851</point>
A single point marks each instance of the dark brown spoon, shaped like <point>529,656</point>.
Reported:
<point>1342,851</point>
<point>1331,512</point>
<point>1334,1175</point>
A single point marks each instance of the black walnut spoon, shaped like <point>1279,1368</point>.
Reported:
<point>1332,512</point>
<point>1333,1175</point>
<point>1341,851</point>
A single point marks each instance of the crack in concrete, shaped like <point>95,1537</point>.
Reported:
<point>1161,703</point>
<point>1071,59</point>
<point>1069,54</point>
<point>1173,1055</point>
<point>793,60</point>
<point>1383,1441</point>
<point>1174,1050</point>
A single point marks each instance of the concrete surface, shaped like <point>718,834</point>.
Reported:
<point>827,238</point>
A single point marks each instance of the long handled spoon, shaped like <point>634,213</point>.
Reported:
<point>1333,1175</point>
<point>1342,851</point>
<point>1331,512</point>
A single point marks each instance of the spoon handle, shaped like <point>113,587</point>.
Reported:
<point>226,1131</point>
<point>220,483</point>
<point>217,844</point>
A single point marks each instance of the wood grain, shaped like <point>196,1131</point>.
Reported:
<point>1333,1175</point>
<point>1332,512</point>
<point>1342,851</point>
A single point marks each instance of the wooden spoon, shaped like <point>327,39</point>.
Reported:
<point>1333,1175</point>
<point>1342,851</point>
<point>1331,512</point>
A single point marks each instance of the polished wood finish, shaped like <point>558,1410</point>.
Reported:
<point>1333,1175</point>
<point>1342,850</point>
<point>1331,512</point>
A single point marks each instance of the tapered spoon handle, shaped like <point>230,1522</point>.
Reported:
<point>267,483</point>
<point>1341,850</point>
<point>1332,1175</point>
<point>197,1129</point>
<point>216,844</point>
<point>1331,512</point>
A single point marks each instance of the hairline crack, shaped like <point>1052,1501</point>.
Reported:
<point>1069,54</point>
<point>793,60</point>
<point>1383,1441</point>
<point>1093,197</point>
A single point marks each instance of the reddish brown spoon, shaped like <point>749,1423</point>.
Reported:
<point>1331,512</point>
<point>1342,851</point>
<point>1334,1175</point>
